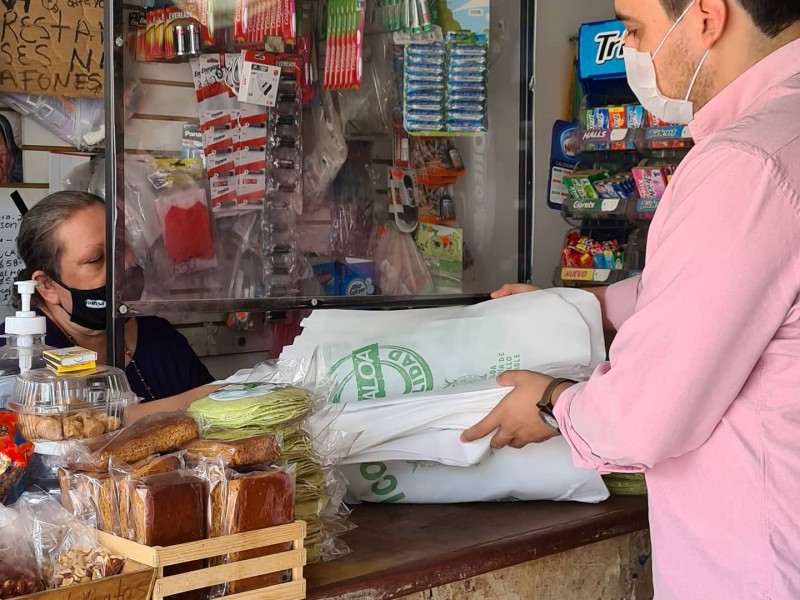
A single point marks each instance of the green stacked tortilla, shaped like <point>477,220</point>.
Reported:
<point>243,410</point>
<point>626,484</point>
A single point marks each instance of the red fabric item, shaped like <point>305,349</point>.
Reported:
<point>187,233</point>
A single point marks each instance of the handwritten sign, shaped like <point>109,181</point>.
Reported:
<point>52,47</point>
<point>10,265</point>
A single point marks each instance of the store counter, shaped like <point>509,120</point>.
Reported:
<point>514,551</point>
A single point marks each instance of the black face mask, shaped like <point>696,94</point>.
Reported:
<point>89,306</point>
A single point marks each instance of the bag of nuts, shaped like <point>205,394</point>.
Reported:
<point>66,550</point>
<point>17,561</point>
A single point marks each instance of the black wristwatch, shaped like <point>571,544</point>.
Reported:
<point>546,404</point>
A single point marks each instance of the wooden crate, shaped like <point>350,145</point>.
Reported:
<point>134,583</point>
<point>160,557</point>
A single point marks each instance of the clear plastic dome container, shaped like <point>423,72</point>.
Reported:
<point>82,405</point>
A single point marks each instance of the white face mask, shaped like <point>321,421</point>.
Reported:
<point>641,72</point>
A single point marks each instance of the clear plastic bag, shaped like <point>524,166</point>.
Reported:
<point>125,477</point>
<point>367,111</point>
<point>327,152</point>
<point>154,434</point>
<point>78,121</point>
<point>401,269</point>
<point>18,574</point>
<point>353,227</point>
<point>66,550</point>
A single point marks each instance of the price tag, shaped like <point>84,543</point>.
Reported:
<point>577,274</point>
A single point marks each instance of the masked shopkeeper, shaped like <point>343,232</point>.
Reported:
<point>62,241</point>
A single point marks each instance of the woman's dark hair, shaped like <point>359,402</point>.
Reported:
<point>37,244</point>
<point>772,17</point>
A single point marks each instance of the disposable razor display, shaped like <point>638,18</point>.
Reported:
<point>282,262</point>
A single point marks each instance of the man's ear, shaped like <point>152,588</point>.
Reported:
<point>715,15</point>
<point>46,288</point>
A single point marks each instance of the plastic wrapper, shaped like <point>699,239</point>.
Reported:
<point>251,407</point>
<point>353,227</point>
<point>151,435</point>
<point>78,121</point>
<point>65,547</point>
<point>14,458</point>
<point>626,484</point>
<point>18,574</point>
<point>125,478</point>
<point>257,500</point>
<point>185,219</point>
<point>169,509</point>
<point>237,451</point>
<point>401,269</point>
<point>326,153</point>
<point>320,487</point>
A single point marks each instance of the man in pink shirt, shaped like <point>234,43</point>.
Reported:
<point>702,389</point>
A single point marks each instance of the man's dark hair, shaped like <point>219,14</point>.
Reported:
<point>770,16</point>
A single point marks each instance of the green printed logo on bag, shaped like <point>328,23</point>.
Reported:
<point>363,375</point>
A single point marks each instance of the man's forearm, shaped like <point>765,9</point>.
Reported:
<point>600,293</point>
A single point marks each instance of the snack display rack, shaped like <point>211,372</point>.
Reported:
<point>517,215</point>
<point>292,560</point>
<point>627,218</point>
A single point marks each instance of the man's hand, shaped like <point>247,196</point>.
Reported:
<point>515,420</point>
<point>512,289</point>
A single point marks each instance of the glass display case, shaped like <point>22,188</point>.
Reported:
<point>273,155</point>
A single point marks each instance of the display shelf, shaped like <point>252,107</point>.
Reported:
<point>632,140</point>
<point>643,209</point>
<point>578,277</point>
<point>595,208</point>
<point>268,305</point>
<point>176,279</point>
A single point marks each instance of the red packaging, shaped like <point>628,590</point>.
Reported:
<point>8,426</point>
<point>586,261</point>
<point>570,258</point>
<point>239,21</point>
<point>187,233</point>
<point>289,21</point>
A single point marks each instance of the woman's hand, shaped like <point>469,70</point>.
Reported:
<point>512,289</point>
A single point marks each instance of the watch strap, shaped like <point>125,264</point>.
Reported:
<point>546,403</point>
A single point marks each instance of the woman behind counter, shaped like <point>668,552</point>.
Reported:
<point>62,242</point>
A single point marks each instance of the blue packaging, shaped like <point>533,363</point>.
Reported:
<point>635,116</point>
<point>356,277</point>
<point>600,51</point>
<point>602,119</point>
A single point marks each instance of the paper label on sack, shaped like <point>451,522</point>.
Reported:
<point>52,48</point>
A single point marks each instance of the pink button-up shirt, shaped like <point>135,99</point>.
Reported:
<point>702,389</point>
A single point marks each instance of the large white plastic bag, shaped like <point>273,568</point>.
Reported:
<point>386,354</point>
<point>536,472</point>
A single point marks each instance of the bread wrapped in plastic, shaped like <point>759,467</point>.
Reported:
<point>154,434</point>
<point>93,498</point>
<point>126,477</point>
<point>169,509</point>
<point>257,500</point>
<point>236,453</point>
